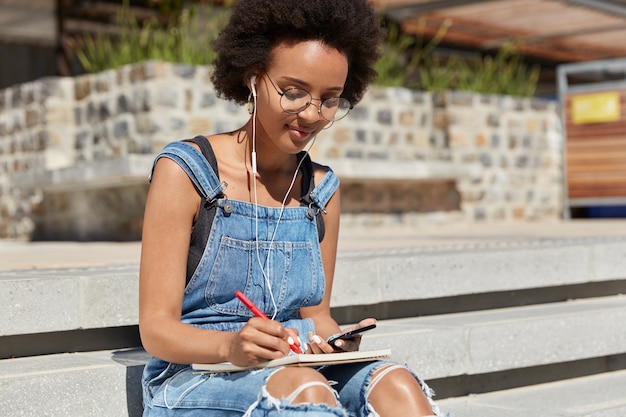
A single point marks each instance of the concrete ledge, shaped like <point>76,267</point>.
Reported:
<point>509,338</point>
<point>409,170</point>
<point>122,171</point>
<point>418,274</point>
<point>107,383</point>
<point>80,384</point>
<point>68,299</point>
<point>592,396</point>
<point>86,298</point>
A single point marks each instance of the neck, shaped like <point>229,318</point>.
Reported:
<point>269,159</point>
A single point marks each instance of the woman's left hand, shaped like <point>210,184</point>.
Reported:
<point>319,345</point>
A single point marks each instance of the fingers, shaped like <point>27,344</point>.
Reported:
<point>319,345</point>
<point>348,345</point>
<point>363,323</point>
<point>260,340</point>
<point>294,340</point>
<point>352,343</point>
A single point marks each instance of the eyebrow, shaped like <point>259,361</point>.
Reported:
<point>308,86</point>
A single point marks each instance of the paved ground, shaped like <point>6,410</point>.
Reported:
<point>42,255</point>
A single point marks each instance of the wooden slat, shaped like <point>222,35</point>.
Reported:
<point>608,143</point>
<point>596,155</point>
<point>594,166</point>
<point>617,128</point>
<point>607,177</point>
<point>597,193</point>
<point>591,169</point>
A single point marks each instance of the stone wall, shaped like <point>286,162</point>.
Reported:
<point>403,156</point>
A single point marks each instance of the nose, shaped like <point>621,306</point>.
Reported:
<point>312,113</point>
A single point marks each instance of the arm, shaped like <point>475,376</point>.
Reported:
<point>171,207</point>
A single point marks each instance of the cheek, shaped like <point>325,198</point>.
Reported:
<point>269,111</point>
<point>272,120</point>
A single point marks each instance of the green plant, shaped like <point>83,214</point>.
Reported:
<point>402,55</point>
<point>503,73</point>
<point>186,38</point>
<point>410,62</point>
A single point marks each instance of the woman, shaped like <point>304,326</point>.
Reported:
<point>268,226</point>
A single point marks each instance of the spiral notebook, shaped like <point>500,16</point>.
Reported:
<point>298,360</point>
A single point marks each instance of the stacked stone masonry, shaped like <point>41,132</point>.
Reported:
<point>403,156</point>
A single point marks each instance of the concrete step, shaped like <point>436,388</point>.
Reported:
<point>600,395</point>
<point>498,340</point>
<point>442,348</point>
<point>368,282</point>
<point>105,383</point>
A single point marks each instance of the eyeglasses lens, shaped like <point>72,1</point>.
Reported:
<point>295,100</point>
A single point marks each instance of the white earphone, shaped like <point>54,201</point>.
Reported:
<point>252,85</point>
<point>253,155</point>
<point>263,265</point>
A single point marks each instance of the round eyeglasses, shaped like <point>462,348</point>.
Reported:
<point>294,100</point>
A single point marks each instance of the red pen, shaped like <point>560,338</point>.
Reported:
<point>258,313</point>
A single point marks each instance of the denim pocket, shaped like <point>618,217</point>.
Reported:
<point>284,271</point>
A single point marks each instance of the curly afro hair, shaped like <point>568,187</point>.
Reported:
<point>257,26</point>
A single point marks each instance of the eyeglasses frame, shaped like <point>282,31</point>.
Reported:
<point>319,107</point>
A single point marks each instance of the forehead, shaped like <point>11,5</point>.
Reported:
<point>309,59</point>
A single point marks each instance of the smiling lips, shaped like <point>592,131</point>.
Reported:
<point>301,133</point>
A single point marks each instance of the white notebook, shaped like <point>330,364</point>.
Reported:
<point>298,360</point>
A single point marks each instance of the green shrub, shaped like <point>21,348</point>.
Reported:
<point>410,63</point>
<point>186,39</point>
<point>407,61</point>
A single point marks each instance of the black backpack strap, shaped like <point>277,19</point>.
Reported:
<point>308,185</point>
<point>204,222</point>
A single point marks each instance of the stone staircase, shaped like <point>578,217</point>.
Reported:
<point>493,326</point>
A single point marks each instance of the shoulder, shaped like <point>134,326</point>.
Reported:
<point>320,171</point>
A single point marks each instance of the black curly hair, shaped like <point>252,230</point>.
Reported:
<point>257,26</point>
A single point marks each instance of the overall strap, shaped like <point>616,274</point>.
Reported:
<point>316,198</point>
<point>202,170</point>
<point>196,166</point>
<point>321,194</point>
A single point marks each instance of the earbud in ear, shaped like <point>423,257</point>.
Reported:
<point>252,85</point>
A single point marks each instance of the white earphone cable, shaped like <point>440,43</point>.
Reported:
<point>263,265</point>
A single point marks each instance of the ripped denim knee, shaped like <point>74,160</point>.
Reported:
<point>268,405</point>
<point>354,382</point>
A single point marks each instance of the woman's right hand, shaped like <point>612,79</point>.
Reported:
<point>260,340</point>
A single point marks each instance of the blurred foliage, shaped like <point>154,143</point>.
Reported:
<point>186,36</point>
<point>402,56</point>
<point>183,32</point>
<point>410,62</point>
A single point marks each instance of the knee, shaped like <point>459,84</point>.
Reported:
<point>301,385</point>
<point>399,380</point>
<point>395,385</point>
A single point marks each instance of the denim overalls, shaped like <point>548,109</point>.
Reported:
<point>273,256</point>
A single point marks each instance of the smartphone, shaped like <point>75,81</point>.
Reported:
<point>350,334</point>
